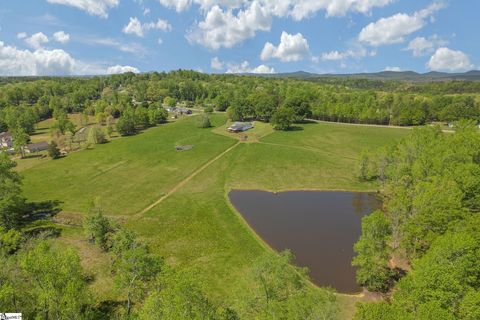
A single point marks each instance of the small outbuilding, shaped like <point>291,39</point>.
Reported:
<point>240,127</point>
<point>36,147</point>
<point>184,148</point>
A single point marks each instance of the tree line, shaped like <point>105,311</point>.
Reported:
<point>24,102</point>
<point>422,250</point>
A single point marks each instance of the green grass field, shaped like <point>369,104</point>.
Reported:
<point>127,174</point>
<point>196,227</point>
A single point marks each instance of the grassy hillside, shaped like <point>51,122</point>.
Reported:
<point>196,227</point>
<point>128,174</point>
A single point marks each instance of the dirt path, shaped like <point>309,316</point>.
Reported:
<point>186,180</point>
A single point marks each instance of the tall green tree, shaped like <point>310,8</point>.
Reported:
<point>177,296</point>
<point>156,114</point>
<point>56,282</point>
<point>126,125</point>
<point>135,270</point>
<point>12,205</point>
<point>97,227</point>
<point>373,252</point>
<point>96,135</point>
<point>283,118</point>
<point>282,292</point>
<point>20,140</point>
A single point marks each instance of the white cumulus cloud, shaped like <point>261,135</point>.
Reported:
<point>36,40</point>
<point>93,7</point>
<point>394,29</point>
<point>421,46</point>
<point>291,48</point>
<point>245,67</point>
<point>181,5</point>
<point>121,69</point>
<point>227,23</point>
<point>223,28</point>
<point>178,5</point>
<point>297,9</point>
<point>336,55</point>
<point>300,9</point>
<point>216,64</point>
<point>43,62</point>
<point>21,35</point>
<point>134,26</point>
<point>445,59</point>
<point>61,37</point>
<point>16,62</point>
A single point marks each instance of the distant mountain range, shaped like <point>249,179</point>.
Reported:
<point>384,75</point>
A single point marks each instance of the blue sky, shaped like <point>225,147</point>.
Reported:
<point>63,37</point>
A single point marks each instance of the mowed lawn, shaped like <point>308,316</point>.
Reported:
<point>127,174</point>
<point>319,156</point>
<point>196,227</point>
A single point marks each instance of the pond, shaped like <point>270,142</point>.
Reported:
<point>319,227</point>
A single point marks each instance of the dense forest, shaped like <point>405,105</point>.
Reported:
<point>423,249</point>
<point>136,99</point>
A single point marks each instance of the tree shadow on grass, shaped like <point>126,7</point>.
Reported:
<point>37,132</point>
<point>37,219</point>
<point>107,307</point>
<point>307,121</point>
<point>295,128</point>
<point>32,156</point>
<point>43,209</point>
<point>92,146</point>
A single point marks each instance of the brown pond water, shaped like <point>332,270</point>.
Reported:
<point>319,227</point>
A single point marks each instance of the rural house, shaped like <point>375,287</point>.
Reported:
<point>36,147</point>
<point>183,111</point>
<point>240,126</point>
<point>6,141</point>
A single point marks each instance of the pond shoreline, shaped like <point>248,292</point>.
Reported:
<point>300,232</point>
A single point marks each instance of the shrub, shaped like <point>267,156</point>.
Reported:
<point>126,126</point>
<point>53,150</point>
<point>203,121</point>
<point>208,109</point>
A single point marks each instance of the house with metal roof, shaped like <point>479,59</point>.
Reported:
<point>240,126</point>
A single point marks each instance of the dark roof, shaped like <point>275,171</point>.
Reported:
<point>6,135</point>
<point>38,146</point>
<point>184,110</point>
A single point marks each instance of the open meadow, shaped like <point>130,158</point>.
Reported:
<point>177,201</point>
